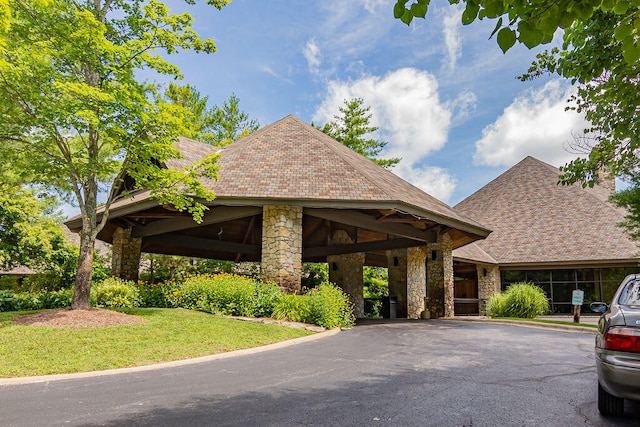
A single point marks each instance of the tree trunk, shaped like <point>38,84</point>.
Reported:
<point>82,289</point>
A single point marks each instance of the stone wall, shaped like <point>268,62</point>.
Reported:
<point>345,271</point>
<point>125,258</point>
<point>488,284</point>
<point>440,277</point>
<point>416,281</point>
<point>282,246</point>
<point>397,272</point>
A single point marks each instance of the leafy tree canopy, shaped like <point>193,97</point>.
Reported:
<point>74,116</point>
<point>351,127</point>
<point>29,236</point>
<point>535,22</point>
<point>216,126</point>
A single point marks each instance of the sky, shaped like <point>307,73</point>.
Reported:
<point>443,95</point>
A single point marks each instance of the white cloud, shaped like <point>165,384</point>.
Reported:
<point>312,54</point>
<point>452,39</point>
<point>535,124</point>
<point>406,107</point>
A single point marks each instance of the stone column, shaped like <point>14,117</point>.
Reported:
<point>488,284</point>
<point>125,258</point>
<point>345,271</point>
<point>440,277</point>
<point>282,246</point>
<point>397,272</point>
<point>416,281</point>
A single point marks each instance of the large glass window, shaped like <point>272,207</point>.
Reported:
<point>597,284</point>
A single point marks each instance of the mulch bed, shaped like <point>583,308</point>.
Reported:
<point>67,318</point>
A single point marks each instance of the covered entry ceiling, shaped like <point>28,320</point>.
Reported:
<point>290,163</point>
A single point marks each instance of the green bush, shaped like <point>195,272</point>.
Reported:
<point>265,299</point>
<point>522,300</point>
<point>222,293</point>
<point>329,306</point>
<point>18,301</point>
<point>153,295</point>
<point>292,307</point>
<point>116,293</point>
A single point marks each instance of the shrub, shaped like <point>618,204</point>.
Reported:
<point>291,307</point>
<point>56,299</point>
<point>223,293</point>
<point>266,297</point>
<point>329,306</point>
<point>116,293</point>
<point>523,300</point>
<point>153,295</point>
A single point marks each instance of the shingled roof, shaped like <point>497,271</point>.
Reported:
<point>535,221</point>
<point>294,164</point>
<point>291,160</point>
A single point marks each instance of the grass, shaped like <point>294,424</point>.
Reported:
<point>169,334</point>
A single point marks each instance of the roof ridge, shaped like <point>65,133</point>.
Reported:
<point>346,160</point>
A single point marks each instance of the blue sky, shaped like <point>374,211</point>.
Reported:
<point>442,94</point>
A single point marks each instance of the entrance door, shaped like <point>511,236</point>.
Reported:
<point>465,297</point>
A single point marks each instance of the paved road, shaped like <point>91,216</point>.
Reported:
<point>401,373</point>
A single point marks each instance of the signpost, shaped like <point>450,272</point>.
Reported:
<point>577,298</point>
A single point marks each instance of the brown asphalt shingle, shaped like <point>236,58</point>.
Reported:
<point>290,159</point>
<point>534,220</point>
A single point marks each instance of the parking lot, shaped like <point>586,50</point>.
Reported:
<point>410,373</point>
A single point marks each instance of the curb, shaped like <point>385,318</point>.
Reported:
<point>539,325</point>
<point>164,365</point>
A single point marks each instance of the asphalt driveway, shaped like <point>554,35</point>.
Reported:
<point>409,373</point>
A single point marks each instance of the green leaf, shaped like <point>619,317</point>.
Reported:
<point>529,36</point>
<point>419,10</point>
<point>621,7</point>
<point>631,54</point>
<point>399,9</point>
<point>470,13</point>
<point>407,17</point>
<point>624,30</point>
<point>506,39</point>
<point>497,27</point>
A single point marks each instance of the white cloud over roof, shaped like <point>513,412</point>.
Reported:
<point>406,106</point>
<point>535,124</point>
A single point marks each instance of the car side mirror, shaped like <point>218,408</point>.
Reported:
<point>599,307</point>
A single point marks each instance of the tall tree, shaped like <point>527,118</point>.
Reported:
<point>199,118</point>
<point>77,119</point>
<point>217,125</point>
<point>231,123</point>
<point>351,127</point>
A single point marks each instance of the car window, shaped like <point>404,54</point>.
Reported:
<point>630,294</point>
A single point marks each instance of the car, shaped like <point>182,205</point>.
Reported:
<point>617,348</point>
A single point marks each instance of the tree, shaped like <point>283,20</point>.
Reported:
<point>28,235</point>
<point>74,116</point>
<point>231,123</point>
<point>535,22</point>
<point>216,126</point>
<point>351,127</point>
<point>199,119</point>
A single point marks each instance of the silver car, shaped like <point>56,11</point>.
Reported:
<point>618,348</point>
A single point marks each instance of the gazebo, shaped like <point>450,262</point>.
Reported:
<point>289,194</point>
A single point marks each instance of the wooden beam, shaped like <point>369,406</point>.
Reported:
<point>190,242</point>
<point>158,215</point>
<point>358,219</point>
<point>216,215</point>
<point>378,245</point>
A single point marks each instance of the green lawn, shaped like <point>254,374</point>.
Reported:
<point>169,334</point>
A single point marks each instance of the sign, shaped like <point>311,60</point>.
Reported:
<point>577,297</point>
